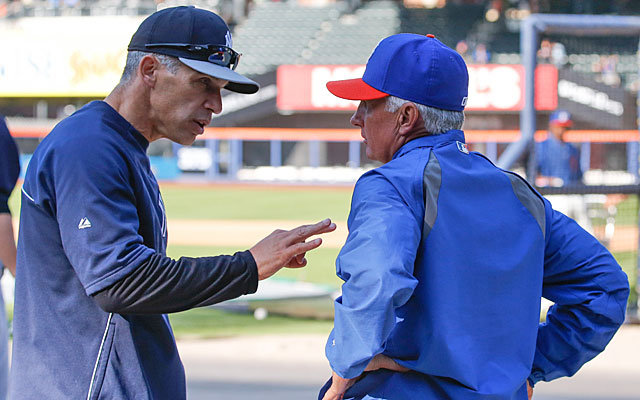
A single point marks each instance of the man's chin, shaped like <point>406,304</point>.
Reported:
<point>187,140</point>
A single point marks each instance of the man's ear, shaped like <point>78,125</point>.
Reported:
<point>409,119</point>
<point>148,68</point>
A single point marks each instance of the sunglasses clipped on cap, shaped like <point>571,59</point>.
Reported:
<point>214,53</point>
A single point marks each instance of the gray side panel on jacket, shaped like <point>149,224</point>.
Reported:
<point>431,181</point>
<point>529,199</point>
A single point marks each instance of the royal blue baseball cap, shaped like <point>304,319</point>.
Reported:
<point>560,118</point>
<point>413,67</point>
<point>199,38</point>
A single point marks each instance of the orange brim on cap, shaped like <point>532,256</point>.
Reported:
<point>354,89</point>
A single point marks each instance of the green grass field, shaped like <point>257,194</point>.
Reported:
<point>320,267</point>
<point>259,203</point>
<point>280,203</point>
<point>248,203</point>
<point>211,322</point>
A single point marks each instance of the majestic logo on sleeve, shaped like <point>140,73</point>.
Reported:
<point>84,223</point>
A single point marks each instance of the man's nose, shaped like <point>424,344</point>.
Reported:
<point>214,102</point>
<point>356,118</point>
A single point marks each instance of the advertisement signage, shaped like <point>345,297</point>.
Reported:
<point>63,56</point>
<point>491,87</point>
<point>604,106</point>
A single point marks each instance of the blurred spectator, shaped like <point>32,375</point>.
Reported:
<point>552,53</point>
<point>544,52</point>
<point>558,54</point>
<point>480,54</point>
<point>606,67</point>
<point>463,49</point>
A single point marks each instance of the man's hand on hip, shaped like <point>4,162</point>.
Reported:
<point>287,248</point>
<point>340,385</point>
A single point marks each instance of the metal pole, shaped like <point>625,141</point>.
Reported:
<point>314,153</point>
<point>585,156</point>
<point>637,311</point>
<point>275,153</point>
<point>214,169</point>
<point>492,151</point>
<point>529,41</point>
<point>354,154</point>
<point>528,45</point>
<point>632,159</point>
<point>235,162</point>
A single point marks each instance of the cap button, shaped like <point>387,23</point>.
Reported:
<point>430,35</point>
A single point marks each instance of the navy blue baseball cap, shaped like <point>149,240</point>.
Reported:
<point>560,118</point>
<point>199,38</point>
<point>413,67</point>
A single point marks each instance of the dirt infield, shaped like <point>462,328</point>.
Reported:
<point>625,238</point>
<point>283,367</point>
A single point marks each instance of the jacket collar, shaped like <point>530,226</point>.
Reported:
<point>430,141</point>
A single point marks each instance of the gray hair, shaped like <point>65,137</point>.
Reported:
<point>133,60</point>
<point>436,120</point>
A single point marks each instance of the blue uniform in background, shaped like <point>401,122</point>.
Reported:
<point>91,214</point>
<point>445,263</point>
<point>559,159</point>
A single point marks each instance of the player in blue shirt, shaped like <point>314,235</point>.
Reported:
<point>93,282</point>
<point>448,256</point>
<point>9,173</point>
<point>558,164</point>
<point>558,160</point>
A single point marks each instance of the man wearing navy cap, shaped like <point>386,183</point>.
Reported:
<point>448,256</point>
<point>93,281</point>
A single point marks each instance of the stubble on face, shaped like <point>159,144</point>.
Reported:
<point>182,104</point>
<point>378,128</point>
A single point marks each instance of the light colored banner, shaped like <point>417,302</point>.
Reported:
<point>63,56</point>
<point>491,87</point>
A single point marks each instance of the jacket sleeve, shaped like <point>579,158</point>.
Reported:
<point>163,285</point>
<point>376,264</point>
<point>590,293</point>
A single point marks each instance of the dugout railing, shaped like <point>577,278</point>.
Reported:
<point>611,214</point>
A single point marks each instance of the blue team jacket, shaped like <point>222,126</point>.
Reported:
<point>445,263</point>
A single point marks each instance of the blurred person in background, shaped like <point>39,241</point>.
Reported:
<point>558,161</point>
<point>481,54</point>
<point>448,256</point>
<point>9,173</point>
<point>93,281</point>
<point>558,164</point>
